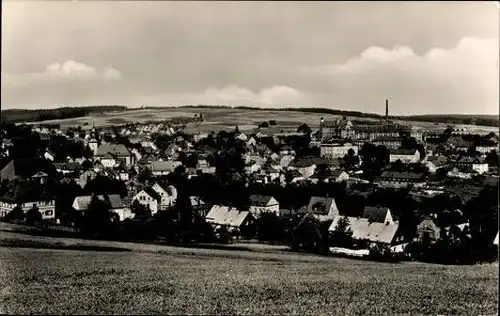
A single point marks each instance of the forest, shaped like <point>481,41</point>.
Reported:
<point>18,115</point>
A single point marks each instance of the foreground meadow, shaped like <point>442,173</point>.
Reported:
<point>37,281</point>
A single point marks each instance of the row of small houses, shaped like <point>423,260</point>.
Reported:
<point>376,225</point>
<point>120,162</point>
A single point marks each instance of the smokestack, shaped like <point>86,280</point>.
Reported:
<point>321,122</point>
<point>386,111</point>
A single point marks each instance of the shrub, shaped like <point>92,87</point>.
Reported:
<point>381,252</point>
<point>33,216</point>
<point>15,215</point>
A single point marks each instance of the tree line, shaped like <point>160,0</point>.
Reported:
<point>19,115</point>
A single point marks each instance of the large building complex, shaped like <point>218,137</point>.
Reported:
<point>345,129</point>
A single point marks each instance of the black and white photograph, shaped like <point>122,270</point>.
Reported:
<point>249,157</point>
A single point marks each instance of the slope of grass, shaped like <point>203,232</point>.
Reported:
<point>88,282</point>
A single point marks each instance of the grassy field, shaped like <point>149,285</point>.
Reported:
<point>226,119</point>
<point>167,281</point>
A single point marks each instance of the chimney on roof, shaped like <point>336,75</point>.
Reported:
<point>386,111</point>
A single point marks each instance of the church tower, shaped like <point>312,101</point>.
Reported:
<point>94,138</point>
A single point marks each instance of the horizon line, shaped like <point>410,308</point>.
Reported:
<point>281,108</point>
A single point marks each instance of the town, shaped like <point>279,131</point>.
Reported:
<point>377,190</point>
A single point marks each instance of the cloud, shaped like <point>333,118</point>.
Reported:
<point>470,54</point>
<point>111,73</point>
<point>68,70</point>
<point>464,78</point>
<point>231,95</point>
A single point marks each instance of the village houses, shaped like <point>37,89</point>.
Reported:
<point>263,204</point>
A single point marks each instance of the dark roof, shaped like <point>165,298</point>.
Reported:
<point>387,138</point>
<point>488,143</point>
<point>490,180</point>
<point>458,141</point>
<point>115,149</point>
<point>260,200</point>
<point>427,223</point>
<point>438,160</point>
<point>320,205</point>
<point>470,160</point>
<point>402,151</point>
<point>402,175</point>
<point>390,128</point>
<point>25,168</point>
<point>375,213</point>
<point>295,173</point>
<point>72,166</point>
<point>308,161</point>
<point>286,147</point>
<point>26,192</point>
<point>335,173</point>
<point>152,193</point>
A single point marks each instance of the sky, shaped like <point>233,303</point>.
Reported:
<point>425,57</point>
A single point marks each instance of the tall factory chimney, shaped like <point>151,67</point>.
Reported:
<point>386,111</point>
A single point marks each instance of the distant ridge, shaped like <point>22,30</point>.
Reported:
<point>36,115</point>
<point>23,115</point>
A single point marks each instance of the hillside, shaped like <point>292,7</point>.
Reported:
<point>18,116</point>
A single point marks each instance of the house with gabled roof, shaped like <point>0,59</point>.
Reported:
<point>461,172</point>
<point>322,208</point>
<point>168,194</point>
<point>338,175</point>
<point>149,198</point>
<point>433,163</point>
<point>375,226</point>
<point>286,160</point>
<point>475,163</point>
<point>294,174</point>
<point>377,214</point>
<point>390,142</point>
<point>486,147</point>
<point>25,168</point>
<point>263,204</point>
<point>261,135</point>
<point>306,165</point>
<point>252,167</point>
<point>254,158</point>
<point>117,151</point>
<point>333,150</point>
<point>109,160</point>
<point>49,155</point>
<point>67,167</point>
<point>458,143</point>
<point>115,202</point>
<point>427,230</point>
<point>263,150</point>
<point>26,196</point>
<point>394,179</point>
<point>287,150</point>
<point>241,136</point>
<point>251,142</point>
<point>232,218</point>
<point>404,155</point>
<point>198,205</point>
<point>374,232</point>
<point>165,167</point>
